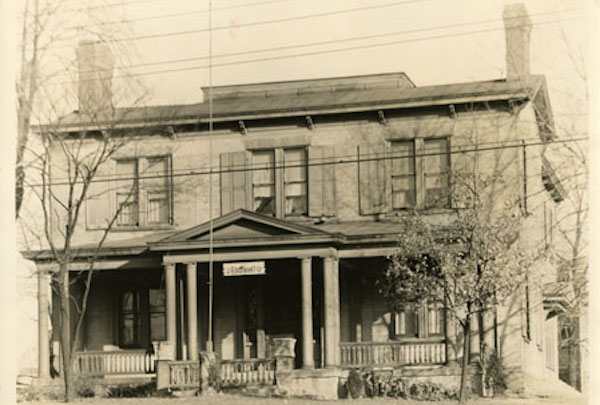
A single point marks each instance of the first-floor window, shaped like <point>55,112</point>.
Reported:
<point>419,320</point>
<point>129,318</point>
<point>407,322</point>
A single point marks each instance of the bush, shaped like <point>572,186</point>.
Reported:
<point>132,390</point>
<point>354,385</point>
<point>496,374</point>
<point>84,387</point>
<point>377,385</point>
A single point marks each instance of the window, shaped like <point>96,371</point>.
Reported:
<point>407,322</point>
<point>403,175</point>
<point>419,321</point>
<point>420,173</point>
<point>295,182</point>
<point>265,176</point>
<point>127,192</point>
<point>129,319</point>
<point>263,181</point>
<point>436,170</point>
<point>158,190</point>
<point>143,188</point>
<point>156,298</point>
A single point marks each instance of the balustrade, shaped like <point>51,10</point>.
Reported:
<point>392,353</point>
<point>99,363</point>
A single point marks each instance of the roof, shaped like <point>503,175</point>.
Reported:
<point>328,101</point>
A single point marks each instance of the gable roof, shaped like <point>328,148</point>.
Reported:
<point>242,225</point>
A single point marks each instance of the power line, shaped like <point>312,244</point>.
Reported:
<point>182,14</point>
<point>324,162</point>
<point>252,24</point>
<point>312,53</point>
<point>310,44</point>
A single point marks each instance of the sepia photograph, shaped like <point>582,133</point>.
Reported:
<point>264,202</point>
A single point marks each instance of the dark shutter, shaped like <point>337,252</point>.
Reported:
<point>321,181</point>
<point>374,179</point>
<point>233,181</point>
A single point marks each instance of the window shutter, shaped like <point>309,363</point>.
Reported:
<point>321,182</point>
<point>374,179</point>
<point>233,183</point>
<point>98,202</point>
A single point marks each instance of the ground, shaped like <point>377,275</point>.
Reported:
<point>225,399</point>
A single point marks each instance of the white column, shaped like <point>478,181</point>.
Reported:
<point>307,323</point>
<point>171,310</point>
<point>43,330</point>
<point>332,310</point>
<point>192,311</point>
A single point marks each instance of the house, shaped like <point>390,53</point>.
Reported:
<point>276,223</point>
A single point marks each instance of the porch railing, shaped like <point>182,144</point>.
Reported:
<point>392,353</point>
<point>247,372</point>
<point>99,363</point>
<point>184,374</point>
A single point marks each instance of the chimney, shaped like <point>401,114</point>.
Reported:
<point>95,63</point>
<point>517,26</point>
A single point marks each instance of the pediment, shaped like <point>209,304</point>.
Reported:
<point>242,224</point>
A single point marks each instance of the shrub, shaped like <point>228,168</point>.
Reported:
<point>132,390</point>
<point>496,374</point>
<point>85,387</point>
<point>354,385</point>
<point>377,385</point>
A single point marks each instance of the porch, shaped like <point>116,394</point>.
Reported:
<point>291,281</point>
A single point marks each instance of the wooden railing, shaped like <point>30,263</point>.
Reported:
<point>99,363</point>
<point>184,374</point>
<point>247,372</point>
<point>392,353</point>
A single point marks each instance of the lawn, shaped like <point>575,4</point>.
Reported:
<point>228,399</point>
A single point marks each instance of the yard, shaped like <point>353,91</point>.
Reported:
<point>228,399</point>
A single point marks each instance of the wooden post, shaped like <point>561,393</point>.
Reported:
<point>43,330</point>
<point>261,341</point>
<point>192,311</point>
<point>307,323</point>
<point>171,310</point>
<point>332,310</point>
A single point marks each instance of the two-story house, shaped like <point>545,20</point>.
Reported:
<point>278,219</point>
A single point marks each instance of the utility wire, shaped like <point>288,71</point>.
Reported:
<point>252,24</point>
<point>329,162</point>
<point>312,53</point>
<point>173,15</point>
<point>309,44</point>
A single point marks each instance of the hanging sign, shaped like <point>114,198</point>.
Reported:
<point>244,269</point>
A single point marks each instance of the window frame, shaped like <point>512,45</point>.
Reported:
<point>420,176</point>
<point>143,191</point>
<point>421,314</point>
<point>279,166</point>
<point>412,175</point>
<point>305,182</point>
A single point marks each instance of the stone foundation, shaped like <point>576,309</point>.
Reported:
<point>317,383</point>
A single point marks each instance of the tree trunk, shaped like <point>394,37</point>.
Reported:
<point>65,333</point>
<point>464,376</point>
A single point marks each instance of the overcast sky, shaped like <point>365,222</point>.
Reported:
<point>432,41</point>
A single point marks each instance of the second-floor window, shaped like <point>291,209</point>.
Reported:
<point>277,181</point>
<point>294,196</point>
<point>295,182</point>
<point>143,191</point>
<point>436,165</point>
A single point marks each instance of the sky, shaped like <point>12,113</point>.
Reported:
<point>432,41</point>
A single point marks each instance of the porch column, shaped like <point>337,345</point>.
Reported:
<point>450,338</point>
<point>43,330</point>
<point>171,310</point>
<point>474,337</point>
<point>332,310</point>
<point>307,324</point>
<point>192,311</point>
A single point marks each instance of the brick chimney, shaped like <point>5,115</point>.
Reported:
<point>95,63</point>
<point>517,26</point>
